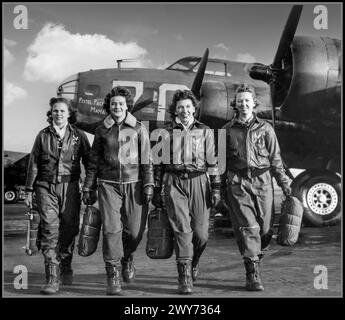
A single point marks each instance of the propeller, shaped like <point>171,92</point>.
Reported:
<point>287,35</point>
<point>200,75</point>
<point>283,47</point>
<point>268,73</point>
<point>140,105</point>
<point>88,127</point>
<point>274,74</point>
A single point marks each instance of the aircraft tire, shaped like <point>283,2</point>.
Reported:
<point>320,193</point>
<point>11,196</point>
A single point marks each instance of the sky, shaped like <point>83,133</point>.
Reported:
<point>62,39</point>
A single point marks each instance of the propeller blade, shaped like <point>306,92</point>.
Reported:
<point>141,105</point>
<point>88,127</point>
<point>288,34</point>
<point>200,75</point>
<point>273,106</point>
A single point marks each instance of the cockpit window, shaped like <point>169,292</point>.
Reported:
<point>214,67</point>
<point>68,88</point>
<point>185,64</point>
<point>92,90</point>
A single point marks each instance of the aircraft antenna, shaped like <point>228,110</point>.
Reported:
<point>119,61</point>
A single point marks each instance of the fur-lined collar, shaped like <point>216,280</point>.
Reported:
<point>129,120</point>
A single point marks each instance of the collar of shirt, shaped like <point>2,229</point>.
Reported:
<point>245,123</point>
<point>186,127</point>
<point>61,132</point>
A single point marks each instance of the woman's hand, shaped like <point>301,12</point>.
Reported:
<point>89,197</point>
<point>28,199</point>
<point>148,194</point>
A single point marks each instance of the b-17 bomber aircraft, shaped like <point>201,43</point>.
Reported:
<point>299,94</point>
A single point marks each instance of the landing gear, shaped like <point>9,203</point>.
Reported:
<point>320,193</point>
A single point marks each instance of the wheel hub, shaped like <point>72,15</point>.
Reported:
<point>9,195</point>
<point>322,198</point>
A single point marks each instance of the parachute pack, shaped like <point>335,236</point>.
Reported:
<point>160,236</point>
<point>89,232</point>
<point>290,221</point>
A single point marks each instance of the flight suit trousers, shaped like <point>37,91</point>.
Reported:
<point>59,208</point>
<point>251,212</point>
<point>123,218</point>
<point>188,205</point>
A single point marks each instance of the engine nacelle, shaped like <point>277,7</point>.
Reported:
<point>214,107</point>
<point>310,86</point>
<point>216,97</point>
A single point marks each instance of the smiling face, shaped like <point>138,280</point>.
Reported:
<point>185,110</point>
<point>118,108</point>
<point>245,104</point>
<point>60,114</point>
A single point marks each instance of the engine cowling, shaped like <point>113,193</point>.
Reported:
<point>310,85</point>
<point>214,106</point>
<point>216,97</point>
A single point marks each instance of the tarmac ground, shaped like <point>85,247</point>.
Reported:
<point>311,268</point>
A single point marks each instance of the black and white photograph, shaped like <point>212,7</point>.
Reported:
<point>172,150</point>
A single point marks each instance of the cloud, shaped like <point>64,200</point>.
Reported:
<point>178,37</point>
<point>57,53</point>
<point>221,46</point>
<point>245,57</point>
<point>13,92</point>
<point>8,56</point>
<point>220,51</point>
<point>135,32</point>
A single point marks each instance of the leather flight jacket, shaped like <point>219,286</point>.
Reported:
<point>252,149</point>
<point>192,153</point>
<point>120,154</point>
<point>57,160</point>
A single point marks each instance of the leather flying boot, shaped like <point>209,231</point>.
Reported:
<point>52,280</point>
<point>185,282</point>
<point>66,272</point>
<point>195,269</point>
<point>113,280</point>
<point>46,269</point>
<point>261,264</point>
<point>253,281</point>
<point>128,269</point>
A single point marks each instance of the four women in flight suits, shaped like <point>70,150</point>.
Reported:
<point>121,163</point>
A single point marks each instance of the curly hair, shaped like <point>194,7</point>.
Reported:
<point>245,88</point>
<point>72,113</point>
<point>182,95</point>
<point>118,91</point>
